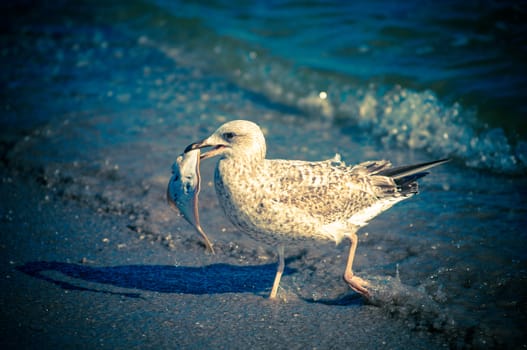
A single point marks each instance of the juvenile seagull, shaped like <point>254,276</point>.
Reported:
<point>272,199</point>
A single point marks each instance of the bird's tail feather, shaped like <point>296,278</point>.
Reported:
<point>398,173</point>
<point>405,177</point>
<point>407,185</point>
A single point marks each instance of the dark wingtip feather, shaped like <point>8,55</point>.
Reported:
<point>407,170</point>
<point>405,177</point>
<point>408,184</point>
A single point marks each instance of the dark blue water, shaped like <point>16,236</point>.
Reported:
<point>98,99</point>
<point>444,77</point>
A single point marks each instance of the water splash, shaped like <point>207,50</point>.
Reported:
<point>396,115</point>
<point>419,120</point>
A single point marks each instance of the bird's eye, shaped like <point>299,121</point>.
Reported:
<point>228,136</point>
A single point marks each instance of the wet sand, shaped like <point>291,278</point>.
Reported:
<point>73,277</point>
<point>94,269</point>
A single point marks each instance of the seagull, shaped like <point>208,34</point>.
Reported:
<point>278,200</point>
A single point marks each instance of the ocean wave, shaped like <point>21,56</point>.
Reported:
<point>420,120</point>
<point>403,117</point>
<point>399,108</point>
<point>396,115</point>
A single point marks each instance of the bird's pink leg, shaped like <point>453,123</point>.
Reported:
<point>279,272</point>
<point>356,283</point>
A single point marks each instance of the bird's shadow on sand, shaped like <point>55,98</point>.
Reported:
<point>347,299</point>
<point>209,279</point>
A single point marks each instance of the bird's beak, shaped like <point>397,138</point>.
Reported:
<point>216,148</point>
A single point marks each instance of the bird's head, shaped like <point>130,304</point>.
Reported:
<point>238,138</point>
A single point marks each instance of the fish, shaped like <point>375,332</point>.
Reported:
<point>183,191</point>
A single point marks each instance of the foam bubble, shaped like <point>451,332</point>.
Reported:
<point>419,120</point>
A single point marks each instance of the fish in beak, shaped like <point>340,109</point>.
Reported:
<point>183,189</point>
<point>217,144</point>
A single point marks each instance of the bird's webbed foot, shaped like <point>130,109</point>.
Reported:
<point>358,284</point>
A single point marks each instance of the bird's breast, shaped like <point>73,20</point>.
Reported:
<point>237,190</point>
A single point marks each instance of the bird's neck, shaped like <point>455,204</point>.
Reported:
<point>239,174</point>
<point>241,166</point>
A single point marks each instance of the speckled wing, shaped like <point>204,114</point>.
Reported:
<point>331,192</point>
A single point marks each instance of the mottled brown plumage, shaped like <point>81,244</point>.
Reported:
<point>272,199</point>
